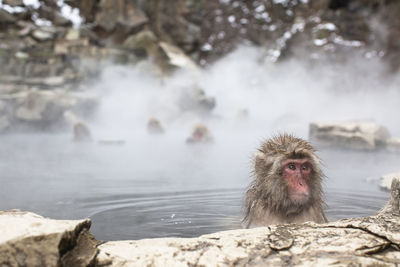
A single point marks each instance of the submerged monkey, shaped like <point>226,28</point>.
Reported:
<point>287,184</point>
<point>200,134</point>
<point>154,126</point>
<point>82,132</point>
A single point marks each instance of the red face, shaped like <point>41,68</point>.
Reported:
<point>297,172</point>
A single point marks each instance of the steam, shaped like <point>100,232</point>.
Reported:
<point>278,97</point>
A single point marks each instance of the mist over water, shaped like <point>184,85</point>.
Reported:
<point>156,185</point>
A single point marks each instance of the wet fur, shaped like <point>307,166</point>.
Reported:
<point>267,199</point>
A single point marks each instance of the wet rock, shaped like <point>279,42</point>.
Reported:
<point>364,135</point>
<point>387,179</point>
<point>369,241</point>
<point>27,239</point>
<point>200,135</point>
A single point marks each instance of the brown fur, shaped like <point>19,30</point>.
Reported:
<point>267,199</point>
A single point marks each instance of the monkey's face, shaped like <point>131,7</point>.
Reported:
<point>297,173</point>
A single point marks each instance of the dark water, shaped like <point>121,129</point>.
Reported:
<point>159,187</point>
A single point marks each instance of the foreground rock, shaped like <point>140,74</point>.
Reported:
<point>27,239</point>
<point>369,241</point>
<point>363,135</point>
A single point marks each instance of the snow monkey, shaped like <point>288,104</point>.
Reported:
<point>287,184</point>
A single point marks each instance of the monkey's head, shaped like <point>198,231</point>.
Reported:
<point>287,175</point>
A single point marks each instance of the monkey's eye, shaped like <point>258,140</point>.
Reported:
<point>292,166</point>
<point>305,167</point>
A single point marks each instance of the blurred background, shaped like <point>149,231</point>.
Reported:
<point>144,115</point>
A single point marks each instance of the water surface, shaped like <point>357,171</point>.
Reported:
<point>157,186</point>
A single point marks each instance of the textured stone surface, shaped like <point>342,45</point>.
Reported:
<point>27,239</point>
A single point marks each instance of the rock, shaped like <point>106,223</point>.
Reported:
<point>21,55</point>
<point>393,144</point>
<point>142,43</point>
<point>64,47</point>
<point>72,35</point>
<point>113,12</point>
<point>13,2</point>
<point>45,109</point>
<point>363,135</point>
<point>6,17</point>
<point>42,35</point>
<point>53,15</point>
<point>387,179</point>
<point>27,239</point>
<point>360,242</point>
<point>177,58</point>
<point>86,8</point>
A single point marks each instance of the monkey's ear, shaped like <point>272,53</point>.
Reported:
<point>259,160</point>
<point>259,156</point>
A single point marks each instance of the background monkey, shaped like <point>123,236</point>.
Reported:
<point>287,184</point>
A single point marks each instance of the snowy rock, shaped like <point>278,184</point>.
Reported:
<point>27,239</point>
<point>362,135</point>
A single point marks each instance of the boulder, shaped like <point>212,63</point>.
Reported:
<point>386,180</point>
<point>27,239</point>
<point>362,135</point>
<point>369,241</point>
